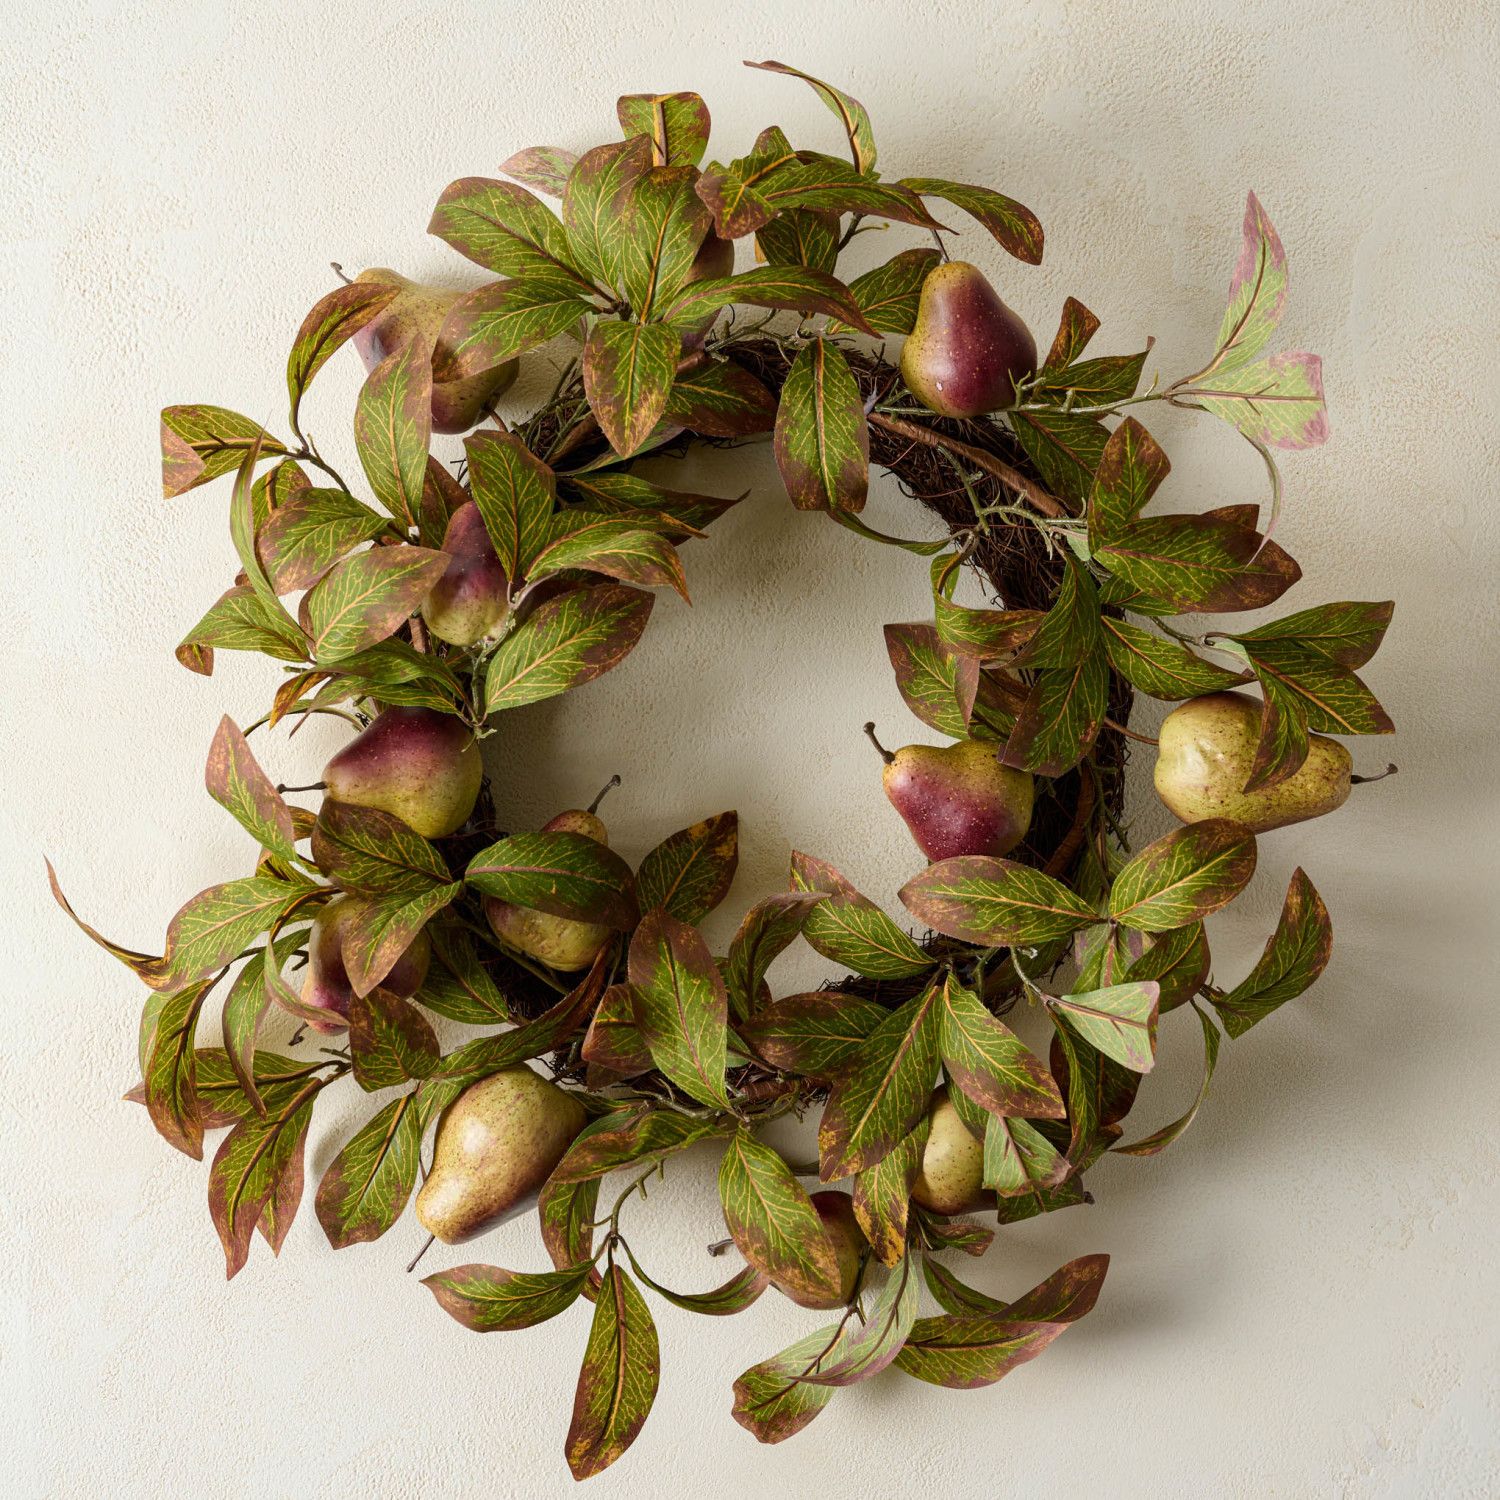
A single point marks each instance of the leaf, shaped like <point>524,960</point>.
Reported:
<point>390,1039</point>
<point>640,1138</point>
<point>833,186</point>
<point>673,511</point>
<point>591,205</point>
<point>367,1184</point>
<point>503,228</point>
<point>882,1195</point>
<point>1074,330</point>
<point>663,222</point>
<point>457,985</point>
<point>544,168</point>
<point>515,493</point>
<point>617,1384</point>
<point>851,114</point>
<point>1065,447</point>
<point>930,677</point>
<point>868,1349</point>
<point>1201,563</point>
<point>1177,961</point>
<point>613,1040</point>
<point>1100,1093</point>
<point>1013,225</point>
<point>1120,1020</point>
<point>994,902</point>
<point>719,399</point>
<point>989,1062</point>
<point>888,295</point>
<point>236,782</point>
<point>170,1073</point>
<point>801,237</point>
<point>379,929</point>
<point>373,853</point>
<point>681,1006</point>
<point>773,1401</point>
<point>566,1211</point>
<point>240,620</point>
<point>1110,380</point>
<point>1018,1158</point>
<point>393,429</point>
<point>1330,697</point>
<point>782,287</point>
<point>1069,632</point>
<point>1295,955</point>
<point>734,1296</point>
<point>369,596</point>
<point>956,1234</point>
<point>884,1091</point>
<point>815,1035</point>
<point>613,548</point>
<point>1348,633</point>
<point>677,125</point>
<point>1130,471</point>
<point>1060,718</point>
<point>850,929</point>
<point>489,1300</point>
<point>953,1295</point>
<point>200,443</point>
<point>564,874</point>
<point>1159,1140</point>
<point>500,320</point>
<point>767,929</point>
<point>244,1009</point>
<point>1282,746</point>
<point>1184,876</point>
<point>1257,293</point>
<point>984,634</point>
<point>212,928</point>
<point>627,375</point>
<point>334,319</point>
<point>1159,667</point>
<point>688,874</point>
<point>822,441</point>
<point>966,1351</point>
<point>773,1221</point>
<point>735,194</point>
<point>310,532</point>
<point>1277,401</point>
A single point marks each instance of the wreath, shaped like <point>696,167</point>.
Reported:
<point>434,599</point>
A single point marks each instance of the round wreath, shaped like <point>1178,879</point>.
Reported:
<point>455,597</point>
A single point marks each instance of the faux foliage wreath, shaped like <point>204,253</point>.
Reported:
<point>453,598</point>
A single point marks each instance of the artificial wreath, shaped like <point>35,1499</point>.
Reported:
<point>432,601</point>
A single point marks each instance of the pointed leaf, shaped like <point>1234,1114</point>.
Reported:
<point>487,1299</point>
<point>1257,292</point>
<point>369,596</point>
<point>1060,718</point>
<point>1160,667</point>
<point>639,1138</point>
<point>595,189</point>
<point>663,222</point>
<point>379,929</point>
<point>1018,1158</point>
<point>612,548</point>
<point>1159,1140</point>
<point>373,853</point>
<point>815,1034</point>
<point>333,320</point>
<point>888,295</point>
<point>367,1184</point>
<point>627,374</point>
<point>393,429</point>
<point>1295,955</point>
<point>773,1401</point>
<point>1348,633</point>
<point>310,532</point>
<point>882,1196</point>
<point>768,929</point>
<point>564,874</point>
<point>989,1062</point>
<point>681,1006</point>
<point>851,114</point>
<point>994,902</point>
<point>1184,876</point>
<point>617,1384</point>
<point>719,399</point>
<point>515,492</point>
<point>503,228</point>
<point>822,440</point>
<point>236,782</point>
<point>677,125</point>
<point>1277,401</point>
<point>391,1041</point>
<point>1131,469</point>
<point>1120,1020</point>
<point>792,288</point>
<point>1013,225</point>
<point>502,319</point>
<point>200,443</point>
<point>868,1349</point>
<point>688,874</point>
<point>544,168</point>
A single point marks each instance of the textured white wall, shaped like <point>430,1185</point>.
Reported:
<point>1302,1300</point>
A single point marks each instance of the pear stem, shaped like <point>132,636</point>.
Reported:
<point>411,1265</point>
<point>312,786</point>
<point>604,791</point>
<point>338,271</point>
<point>1131,734</point>
<point>720,1246</point>
<point>885,754</point>
<point>1390,770</point>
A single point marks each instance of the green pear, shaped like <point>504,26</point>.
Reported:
<point>836,1210</point>
<point>951,1177</point>
<point>419,312</point>
<point>957,799</point>
<point>967,351</point>
<point>496,1144</point>
<point>1204,758</point>
<point>472,598</point>
<point>326,991</point>
<point>417,764</point>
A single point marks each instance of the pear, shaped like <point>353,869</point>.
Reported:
<point>472,597</point>
<point>417,764</point>
<point>1206,750</point>
<point>562,943</point>
<point>951,1177</point>
<point>419,312</point>
<point>326,991</point>
<point>967,351</point>
<point>957,799</point>
<point>836,1210</point>
<point>715,258</point>
<point>496,1144</point>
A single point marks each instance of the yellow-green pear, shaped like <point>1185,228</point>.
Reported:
<point>419,311</point>
<point>417,764</point>
<point>951,1177</point>
<point>836,1210</point>
<point>496,1144</point>
<point>1205,755</point>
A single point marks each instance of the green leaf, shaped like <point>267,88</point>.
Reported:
<point>822,440</point>
<point>393,429</point>
<point>216,924</point>
<point>867,1349</point>
<point>850,929</point>
<point>595,189</point>
<point>515,492</point>
<point>774,1222</point>
<point>379,929</point>
<point>734,1296</point>
<point>719,399</point>
<point>240,620</point>
<point>888,295</point>
<point>566,1212</point>
<point>236,782</point>
<point>767,929</point>
<point>367,1184</point>
<point>1019,1159</point>
<point>1112,379</point>
<point>1060,718</point>
<point>966,1351</point>
<point>1120,1020</point>
<point>369,596</point>
<point>1013,225</point>
<point>1066,448</point>
<point>1330,698</point>
<point>627,375</point>
<point>1129,473</point>
<point>989,1062</point>
<point>1348,633</point>
<point>200,443</point>
<point>674,511</point>
<point>489,1300</point>
<point>1159,667</point>
<point>1197,562</point>
<point>170,1073</point>
<point>334,319</point>
<point>1257,293</point>
<point>1069,632</point>
<point>823,182</point>
<point>617,1384</point>
<point>953,1295</point>
<point>931,679</point>
<point>815,1034</point>
<point>1276,402</point>
<point>503,228</point>
<point>564,874</point>
<point>544,168</point>
<point>783,287</point>
<point>503,319</point>
<point>663,222</point>
<point>681,1006</point>
<point>373,853</point>
<point>1282,746</point>
<point>773,1401</point>
<point>1295,955</point>
<point>984,634</point>
<point>613,1040</point>
<point>244,1008</point>
<point>851,114</point>
<point>994,902</point>
<point>640,1138</point>
<point>1177,961</point>
<point>735,194</point>
<point>801,237</point>
<point>613,548</point>
<point>677,125</point>
<point>882,1195</point>
<point>391,1041</point>
<point>688,874</point>
<point>309,532</point>
<point>457,985</point>
<point>884,1090</point>
<point>1184,876</point>
<point>1159,1140</point>
<point>1074,330</point>
<point>566,641</point>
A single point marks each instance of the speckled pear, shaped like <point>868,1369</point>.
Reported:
<point>471,599</point>
<point>496,1144</point>
<point>967,351</point>
<point>836,1210</point>
<point>326,991</point>
<point>1206,751</point>
<point>419,311</point>
<point>417,764</point>
<point>951,1177</point>
<point>957,799</point>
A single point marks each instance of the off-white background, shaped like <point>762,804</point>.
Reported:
<point>1302,1300</point>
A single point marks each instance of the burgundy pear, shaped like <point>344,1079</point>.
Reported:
<point>957,799</point>
<point>471,598</point>
<point>967,351</point>
<point>326,992</point>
